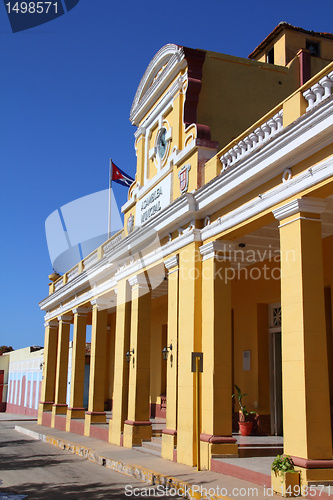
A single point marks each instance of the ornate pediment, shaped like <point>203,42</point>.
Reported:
<point>160,72</point>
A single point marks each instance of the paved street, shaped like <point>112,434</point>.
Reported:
<point>41,471</point>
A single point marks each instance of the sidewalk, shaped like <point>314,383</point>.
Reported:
<point>153,470</point>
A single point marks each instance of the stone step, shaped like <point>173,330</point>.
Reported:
<point>150,452</point>
<point>151,447</point>
<point>259,451</point>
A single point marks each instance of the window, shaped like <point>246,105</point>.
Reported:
<point>313,47</point>
<point>270,56</point>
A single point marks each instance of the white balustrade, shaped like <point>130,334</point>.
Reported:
<point>58,285</point>
<point>73,273</point>
<point>319,91</point>
<point>259,136</point>
<point>90,261</point>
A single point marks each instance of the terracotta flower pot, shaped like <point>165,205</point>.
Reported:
<point>245,428</point>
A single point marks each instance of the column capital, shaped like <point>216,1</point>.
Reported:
<point>51,324</point>
<point>100,303</point>
<point>138,281</point>
<point>65,318</point>
<point>171,262</point>
<point>310,205</point>
<point>210,250</point>
<point>81,311</point>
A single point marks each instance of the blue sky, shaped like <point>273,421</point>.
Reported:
<point>67,90</point>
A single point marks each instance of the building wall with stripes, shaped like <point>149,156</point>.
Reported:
<point>25,374</point>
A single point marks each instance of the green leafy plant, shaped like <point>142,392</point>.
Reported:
<point>243,409</point>
<point>282,464</point>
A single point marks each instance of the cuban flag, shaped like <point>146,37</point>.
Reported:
<point>119,176</point>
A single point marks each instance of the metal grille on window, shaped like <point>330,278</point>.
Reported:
<point>276,316</point>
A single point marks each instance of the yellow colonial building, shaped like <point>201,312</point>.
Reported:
<point>226,252</point>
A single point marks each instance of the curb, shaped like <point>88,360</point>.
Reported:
<point>179,487</point>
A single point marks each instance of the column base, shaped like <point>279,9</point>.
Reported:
<point>136,431</point>
<point>314,471</point>
<point>115,433</point>
<point>216,447</point>
<point>93,417</point>
<point>43,406</point>
<point>169,442</point>
<point>57,409</point>
<point>73,413</point>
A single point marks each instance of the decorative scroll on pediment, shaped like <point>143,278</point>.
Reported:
<point>162,68</point>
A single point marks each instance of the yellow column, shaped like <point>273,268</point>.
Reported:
<point>169,436</point>
<point>121,367</point>
<point>49,370</point>
<point>138,426</point>
<point>189,341</point>
<point>60,406</point>
<point>75,409</point>
<point>96,413</point>
<point>306,406</point>
<point>216,430</point>
<point>109,369</point>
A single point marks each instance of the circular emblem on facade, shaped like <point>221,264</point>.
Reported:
<point>130,223</point>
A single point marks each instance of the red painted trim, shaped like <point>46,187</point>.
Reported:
<point>240,473</point>
<point>95,413</point>
<point>171,432</point>
<point>70,408</point>
<point>46,418</point>
<point>306,463</point>
<point>195,59</point>
<point>34,389</point>
<point>210,438</point>
<point>156,410</point>
<point>2,372</point>
<point>3,406</point>
<point>60,422</point>
<point>101,433</point>
<point>21,410</point>
<point>77,426</point>
<point>304,66</point>
<point>138,422</point>
<point>59,405</point>
<point>10,390</point>
<point>29,393</point>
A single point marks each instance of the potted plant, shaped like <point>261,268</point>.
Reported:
<point>245,426</point>
<point>285,479</point>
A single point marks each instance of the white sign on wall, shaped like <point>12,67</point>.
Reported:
<point>156,200</point>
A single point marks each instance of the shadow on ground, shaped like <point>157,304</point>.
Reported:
<point>15,462</point>
<point>95,491</point>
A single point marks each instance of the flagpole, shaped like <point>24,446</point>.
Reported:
<point>110,192</point>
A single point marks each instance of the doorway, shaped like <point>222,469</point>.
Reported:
<point>275,355</point>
